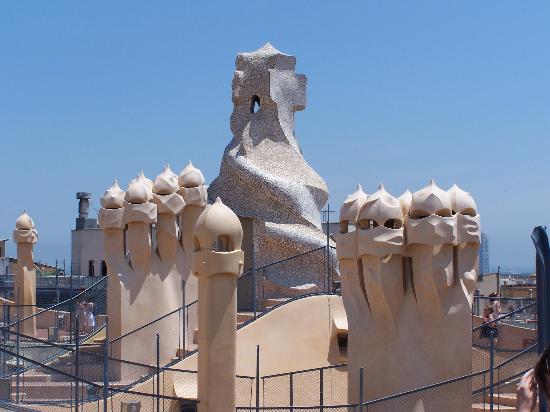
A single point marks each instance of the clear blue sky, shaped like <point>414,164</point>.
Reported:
<point>398,92</point>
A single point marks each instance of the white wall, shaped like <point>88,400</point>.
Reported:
<point>86,245</point>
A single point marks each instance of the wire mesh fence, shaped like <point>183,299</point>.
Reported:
<point>77,377</point>
<point>57,322</point>
<point>191,316</point>
<point>319,386</point>
<point>452,395</point>
<point>136,345</point>
<point>326,389</point>
<point>507,336</point>
<point>263,287</point>
<point>279,280</point>
<point>69,371</point>
<point>87,378</point>
<point>492,367</point>
<point>245,391</point>
<point>508,305</point>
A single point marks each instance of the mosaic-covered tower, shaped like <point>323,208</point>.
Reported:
<point>264,177</point>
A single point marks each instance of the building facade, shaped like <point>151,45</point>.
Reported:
<point>87,255</point>
<point>484,254</point>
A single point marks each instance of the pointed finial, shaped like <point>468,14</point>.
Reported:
<point>24,222</point>
<point>190,176</point>
<point>166,183</point>
<point>137,192</point>
<point>113,198</point>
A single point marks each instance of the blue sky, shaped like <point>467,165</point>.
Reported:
<point>398,92</point>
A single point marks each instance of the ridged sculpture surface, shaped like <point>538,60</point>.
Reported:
<point>148,241</point>
<point>409,271</point>
<point>263,174</point>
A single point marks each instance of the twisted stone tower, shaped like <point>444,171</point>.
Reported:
<point>263,175</point>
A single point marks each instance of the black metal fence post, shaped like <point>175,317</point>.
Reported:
<point>4,339</point>
<point>291,390</point>
<point>540,239</point>
<point>254,282</point>
<point>56,283</point>
<point>105,367</point>
<point>71,310</point>
<point>257,378</point>
<point>76,367</point>
<point>186,320</point>
<point>328,249</point>
<point>491,370</point>
<point>321,389</point>
<point>158,372</point>
<point>18,344</point>
<point>361,388</point>
<point>183,344</point>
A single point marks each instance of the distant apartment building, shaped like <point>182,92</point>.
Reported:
<point>484,254</point>
<point>87,256</point>
<point>4,261</point>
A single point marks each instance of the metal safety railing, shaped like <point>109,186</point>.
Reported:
<point>262,286</point>
<point>54,324</point>
<point>326,388</point>
<point>68,388</point>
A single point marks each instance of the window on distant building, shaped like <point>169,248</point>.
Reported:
<point>103,268</point>
<point>90,268</point>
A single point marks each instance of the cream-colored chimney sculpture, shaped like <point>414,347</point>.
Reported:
<point>193,191</point>
<point>217,262</point>
<point>25,235</point>
<point>408,277</point>
<point>148,248</point>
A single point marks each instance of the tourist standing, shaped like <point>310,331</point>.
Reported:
<point>495,304</point>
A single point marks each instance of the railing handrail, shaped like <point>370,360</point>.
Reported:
<point>289,258</point>
<point>103,279</point>
<point>41,273</point>
<point>504,363</point>
<point>270,264</point>
<point>404,393</point>
<point>499,298</point>
<point>144,326</point>
<point>275,375</point>
<point>424,388</point>
<point>278,305</point>
<point>43,365</point>
<point>517,355</point>
<point>281,261</point>
<point>82,380</point>
<point>435,385</point>
<point>504,316</point>
<point>265,312</point>
<point>72,348</point>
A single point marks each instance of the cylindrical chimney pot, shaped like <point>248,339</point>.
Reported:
<point>83,204</point>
